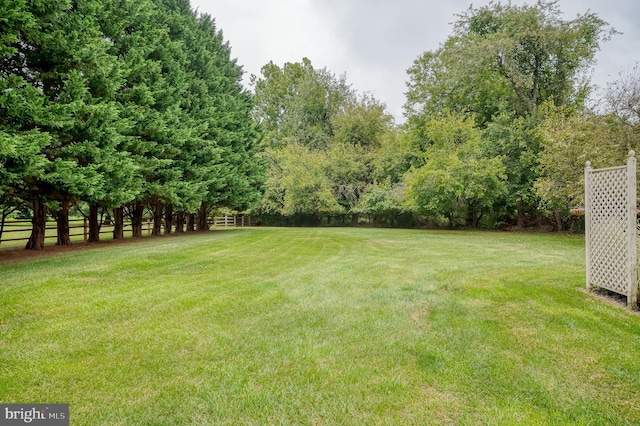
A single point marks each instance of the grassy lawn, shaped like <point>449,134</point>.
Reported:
<point>319,326</point>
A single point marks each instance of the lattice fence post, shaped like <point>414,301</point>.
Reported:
<point>632,232</point>
<point>587,220</point>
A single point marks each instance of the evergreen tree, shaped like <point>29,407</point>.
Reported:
<point>60,56</point>
<point>121,103</point>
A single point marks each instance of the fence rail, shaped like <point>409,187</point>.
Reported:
<point>19,229</point>
<point>239,220</point>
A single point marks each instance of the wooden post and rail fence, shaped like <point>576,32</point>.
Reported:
<point>19,229</point>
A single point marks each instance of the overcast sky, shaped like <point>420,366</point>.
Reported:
<point>373,42</point>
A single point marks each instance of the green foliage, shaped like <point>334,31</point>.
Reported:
<point>21,163</point>
<point>569,140</point>
<point>298,101</point>
<point>322,140</point>
<point>362,121</point>
<point>516,141</point>
<point>14,19</point>
<point>537,53</point>
<point>435,188</point>
<point>507,57</point>
<point>453,79</point>
<point>384,201</point>
<point>59,81</point>
<point>457,178</point>
<point>394,156</point>
<point>349,171</point>
<point>622,100</point>
<point>305,184</point>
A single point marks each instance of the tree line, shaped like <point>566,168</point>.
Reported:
<point>120,106</point>
<point>124,106</point>
<point>499,126</point>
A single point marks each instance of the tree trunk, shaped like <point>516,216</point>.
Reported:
<point>94,224</point>
<point>203,219</point>
<point>62,224</point>
<point>473,218</point>
<point>118,224</point>
<point>191,222</point>
<point>180,223</point>
<point>450,217</point>
<point>38,226</point>
<point>157,219</point>
<point>168,219</point>
<point>558,218</point>
<point>520,219</point>
<point>3,217</point>
<point>2,221</point>
<point>136,219</point>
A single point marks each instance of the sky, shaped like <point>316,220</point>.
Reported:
<point>374,42</point>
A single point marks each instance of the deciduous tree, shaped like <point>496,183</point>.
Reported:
<point>501,64</point>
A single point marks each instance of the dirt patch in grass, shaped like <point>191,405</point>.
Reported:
<point>612,298</point>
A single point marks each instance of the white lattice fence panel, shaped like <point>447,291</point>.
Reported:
<point>609,254</point>
<point>610,196</point>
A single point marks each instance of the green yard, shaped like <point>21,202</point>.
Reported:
<point>319,326</point>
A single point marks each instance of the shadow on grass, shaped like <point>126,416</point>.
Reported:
<point>17,254</point>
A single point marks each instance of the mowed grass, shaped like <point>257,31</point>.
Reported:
<point>319,326</point>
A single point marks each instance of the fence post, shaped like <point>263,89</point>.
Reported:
<point>85,233</point>
<point>587,220</point>
<point>148,226</point>
<point>632,232</point>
